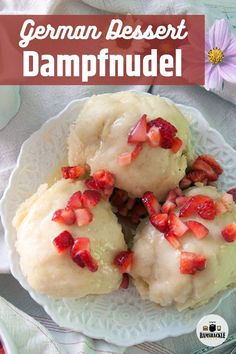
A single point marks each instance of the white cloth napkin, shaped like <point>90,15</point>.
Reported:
<point>39,103</point>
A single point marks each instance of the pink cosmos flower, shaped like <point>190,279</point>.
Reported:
<point>220,56</point>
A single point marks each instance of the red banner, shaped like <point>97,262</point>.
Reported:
<point>102,50</point>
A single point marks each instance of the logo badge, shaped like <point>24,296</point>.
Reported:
<point>212,330</point>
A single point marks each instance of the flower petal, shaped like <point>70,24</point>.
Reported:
<point>228,71</point>
<point>220,34</point>
<point>213,80</point>
<point>231,49</point>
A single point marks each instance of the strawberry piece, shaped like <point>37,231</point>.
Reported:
<point>188,208</point>
<point>177,144</point>
<point>83,216</point>
<point>233,193</point>
<point>191,262</point>
<point>81,255</point>
<point>168,207</point>
<point>73,172</point>
<point>176,226</point>
<point>201,165</point>
<point>90,198</point>
<point>75,201</point>
<point>139,131</point>
<point>229,232</point>
<point>185,183</point>
<point>207,210</point>
<point>159,221</point>
<point>199,230</point>
<point>173,240</point>
<point>64,216</point>
<point>119,197</point>
<point>197,176</point>
<point>63,241</point>
<point>210,160</point>
<point>130,203</point>
<point>125,281</point>
<point>123,210</point>
<point>88,261</point>
<point>80,244</point>
<point>124,261</point>
<point>105,181</point>
<point>135,153</point>
<point>180,201</point>
<point>200,204</point>
<point>172,195</point>
<point>167,130</point>
<point>91,184</point>
<point>151,203</point>
<point>124,159</point>
<point>154,136</point>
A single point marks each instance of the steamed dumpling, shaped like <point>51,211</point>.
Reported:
<point>53,273</point>
<point>100,134</point>
<point>156,267</point>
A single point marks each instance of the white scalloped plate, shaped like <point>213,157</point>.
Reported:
<point>122,317</point>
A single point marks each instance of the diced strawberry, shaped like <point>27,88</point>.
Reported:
<point>125,281</point>
<point>151,203</point>
<point>123,210</point>
<point>177,144</point>
<point>168,207</point>
<point>159,221</point>
<point>139,131</point>
<point>233,193</point>
<point>167,130</point>
<point>105,181</point>
<point>75,201</point>
<point>172,195</point>
<point>91,183</point>
<point>124,261</point>
<point>119,197</point>
<point>88,261</point>
<point>213,163</point>
<point>191,262</point>
<point>130,203</point>
<point>173,240</point>
<point>64,216</point>
<point>176,226</point>
<point>199,230</point>
<point>200,164</point>
<point>154,136</point>
<point>135,153</point>
<point>200,204</point>
<point>207,210</point>
<point>188,208</point>
<point>185,183</point>
<point>229,232</point>
<point>180,201</point>
<point>124,159</point>
<point>83,216</point>
<point>73,172</point>
<point>90,198</point>
<point>63,241</point>
<point>196,176</point>
<point>81,255</point>
<point>80,244</point>
<point>138,210</point>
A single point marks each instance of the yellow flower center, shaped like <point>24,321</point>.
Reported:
<point>215,55</point>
